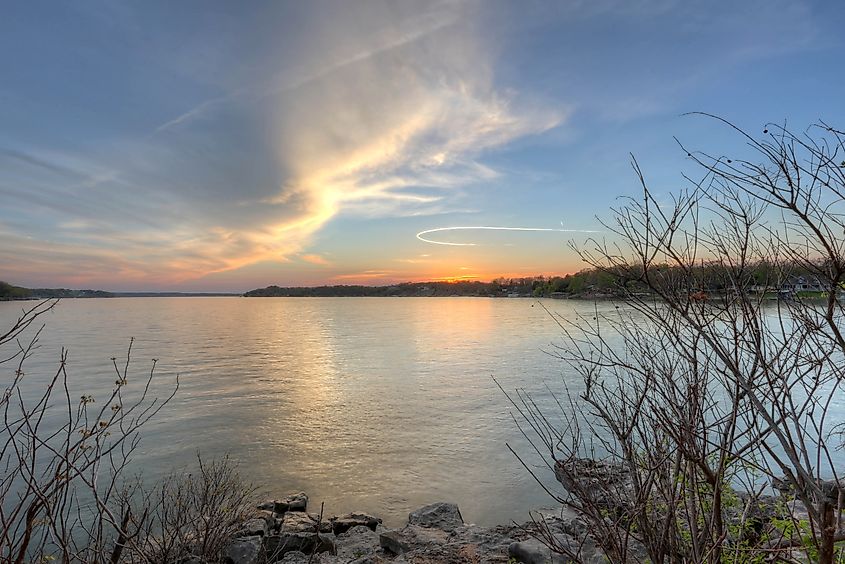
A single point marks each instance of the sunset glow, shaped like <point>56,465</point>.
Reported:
<point>226,146</point>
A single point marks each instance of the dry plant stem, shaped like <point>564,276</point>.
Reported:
<point>319,522</point>
<point>187,512</point>
<point>62,458</point>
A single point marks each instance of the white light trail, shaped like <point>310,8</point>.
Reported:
<point>421,234</point>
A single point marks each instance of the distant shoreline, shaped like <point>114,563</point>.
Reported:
<point>112,295</point>
<point>537,286</point>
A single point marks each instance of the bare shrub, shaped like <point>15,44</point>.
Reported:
<point>63,457</point>
<point>188,514</point>
<point>715,379</point>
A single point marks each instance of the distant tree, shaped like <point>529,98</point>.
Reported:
<point>9,292</point>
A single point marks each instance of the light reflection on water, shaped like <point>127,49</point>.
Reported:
<point>373,404</point>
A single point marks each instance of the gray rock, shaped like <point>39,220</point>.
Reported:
<point>564,521</point>
<point>411,537</point>
<point>296,502</point>
<point>243,551</point>
<point>482,544</point>
<point>391,541</point>
<point>532,551</point>
<point>608,484</point>
<point>266,514</point>
<point>253,527</point>
<point>293,502</point>
<point>269,505</point>
<point>343,523</point>
<point>301,522</point>
<point>443,516</point>
<point>357,542</point>
<point>295,557</point>
<point>282,543</point>
<point>194,560</point>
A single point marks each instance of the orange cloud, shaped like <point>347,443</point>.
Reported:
<point>315,259</point>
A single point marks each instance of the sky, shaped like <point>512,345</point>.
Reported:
<point>225,146</point>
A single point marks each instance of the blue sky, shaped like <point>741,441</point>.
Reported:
<point>228,145</point>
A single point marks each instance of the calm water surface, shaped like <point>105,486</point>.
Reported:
<point>374,404</point>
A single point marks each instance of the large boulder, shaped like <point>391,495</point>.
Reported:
<point>293,502</point>
<point>254,527</point>
<point>443,516</point>
<point>356,543</point>
<point>482,544</point>
<point>410,538</point>
<point>607,484</point>
<point>532,551</point>
<point>392,541</point>
<point>296,502</point>
<point>245,550</point>
<point>343,523</point>
<point>301,522</point>
<point>280,544</point>
<point>295,557</point>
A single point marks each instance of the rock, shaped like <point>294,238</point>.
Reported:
<point>563,521</point>
<point>253,527</point>
<point>443,516</point>
<point>532,551</point>
<point>343,523</point>
<point>243,551</point>
<point>301,522</point>
<point>391,541</point>
<point>357,542</point>
<point>411,537</point>
<point>295,557</point>
<point>466,544</point>
<point>282,543</point>
<point>267,515</point>
<point>194,560</point>
<point>481,544</point>
<point>294,502</point>
<point>607,483</point>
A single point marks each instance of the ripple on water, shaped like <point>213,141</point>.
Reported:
<point>371,404</point>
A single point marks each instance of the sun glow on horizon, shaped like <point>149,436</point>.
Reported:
<point>295,143</point>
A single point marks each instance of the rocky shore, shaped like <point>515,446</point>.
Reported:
<point>284,530</point>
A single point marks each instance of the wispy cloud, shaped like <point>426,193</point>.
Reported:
<point>428,23</point>
<point>194,113</point>
<point>390,118</point>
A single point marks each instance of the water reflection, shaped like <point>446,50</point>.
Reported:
<point>374,404</point>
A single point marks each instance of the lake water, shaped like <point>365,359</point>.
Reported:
<point>373,404</point>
